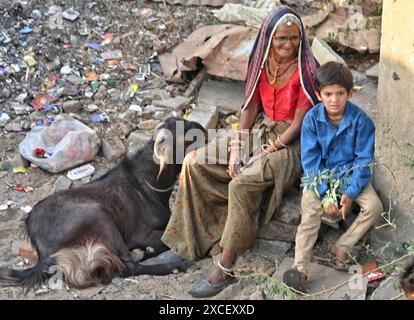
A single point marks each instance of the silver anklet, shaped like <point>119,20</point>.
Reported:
<point>224,268</point>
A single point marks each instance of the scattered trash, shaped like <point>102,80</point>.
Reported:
<point>143,72</point>
<point>233,121</point>
<point>41,153</point>
<point>26,30</point>
<point>23,188</point>
<point>371,269</point>
<point>19,170</point>
<point>95,46</point>
<point>112,55</point>
<point>135,107</point>
<point>4,38</point>
<point>81,172</point>
<point>42,100</point>
<point>4,118</point>
<point>99,118</point>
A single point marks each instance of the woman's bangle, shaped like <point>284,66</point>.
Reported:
<point>235,141</point>
<point>281,143</point>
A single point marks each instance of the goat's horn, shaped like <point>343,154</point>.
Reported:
<point>163,162</point>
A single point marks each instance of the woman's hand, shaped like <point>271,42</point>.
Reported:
<point>235,156</point>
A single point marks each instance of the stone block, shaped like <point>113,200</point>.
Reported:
<point>137,139</point>
<point>290,210</point>
<point>175,104</point>
<point>324,53</point>
<point>205,115</point>
<point>271,249</point>
<point>321,278</point>
<point>373,72</point>
<point>113,148</point>
<point>277,230</point>
<point>389,288</point>
<point>62,183</point>
<point>226,96</point>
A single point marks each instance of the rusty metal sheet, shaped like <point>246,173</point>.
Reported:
<point>223,49</point>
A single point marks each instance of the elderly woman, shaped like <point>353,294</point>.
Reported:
<point>219,209</point>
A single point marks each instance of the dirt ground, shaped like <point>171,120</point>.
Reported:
<point>119,18</point>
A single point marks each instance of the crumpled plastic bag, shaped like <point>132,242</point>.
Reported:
<point>68,140</point>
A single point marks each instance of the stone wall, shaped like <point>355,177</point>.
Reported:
<point>395,121</point>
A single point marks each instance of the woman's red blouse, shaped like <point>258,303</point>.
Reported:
<point>281,103</point>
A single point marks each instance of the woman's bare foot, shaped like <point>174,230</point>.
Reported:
<point>218,276</point>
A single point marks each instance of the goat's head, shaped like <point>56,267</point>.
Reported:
<point>174,138</point>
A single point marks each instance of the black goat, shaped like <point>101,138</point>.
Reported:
<point>90,231</point>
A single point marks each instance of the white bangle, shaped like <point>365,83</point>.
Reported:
<point>281,143</point>
<point>223,268</point>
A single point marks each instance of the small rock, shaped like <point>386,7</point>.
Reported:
<point>135,107</point>
<point>148,124</point>
<point>42,291</point>
<point>257,295</point>
<point>66,70</point>
<point>373,72</point>
<point>72,106</point>
<point>85,180</point>
<point>3,206</point>
<point>13,127</point>
<point>18,161</point>
<point>113,148</point>
<point>388,289</point>
<point>37,14</point>
<point>136,140</point>
<point>207,116</point>
<point>62,183</point>
<point>91,108</point>
<point>26,209</point>
<point>70,15</point>
<point>75,79</point>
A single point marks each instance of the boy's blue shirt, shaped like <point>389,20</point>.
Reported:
<point>349,145</point>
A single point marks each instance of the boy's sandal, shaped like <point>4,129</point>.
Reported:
<point>294,279</point>
<point>339,264</point>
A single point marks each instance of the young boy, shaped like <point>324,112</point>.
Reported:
<point>407,280</point>
<point>335,134</point>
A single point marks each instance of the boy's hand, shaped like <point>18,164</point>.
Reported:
<point>330,209</point>
<point>346,203</point>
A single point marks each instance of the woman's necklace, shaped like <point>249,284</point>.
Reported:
<point>274,65</point>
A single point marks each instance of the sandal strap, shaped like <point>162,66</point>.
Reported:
<point>343,262</point>
<point>224,268</point>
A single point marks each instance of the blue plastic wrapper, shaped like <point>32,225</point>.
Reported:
<point>93,46</point>
<point>99,118</point>
<point>26,30</point>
